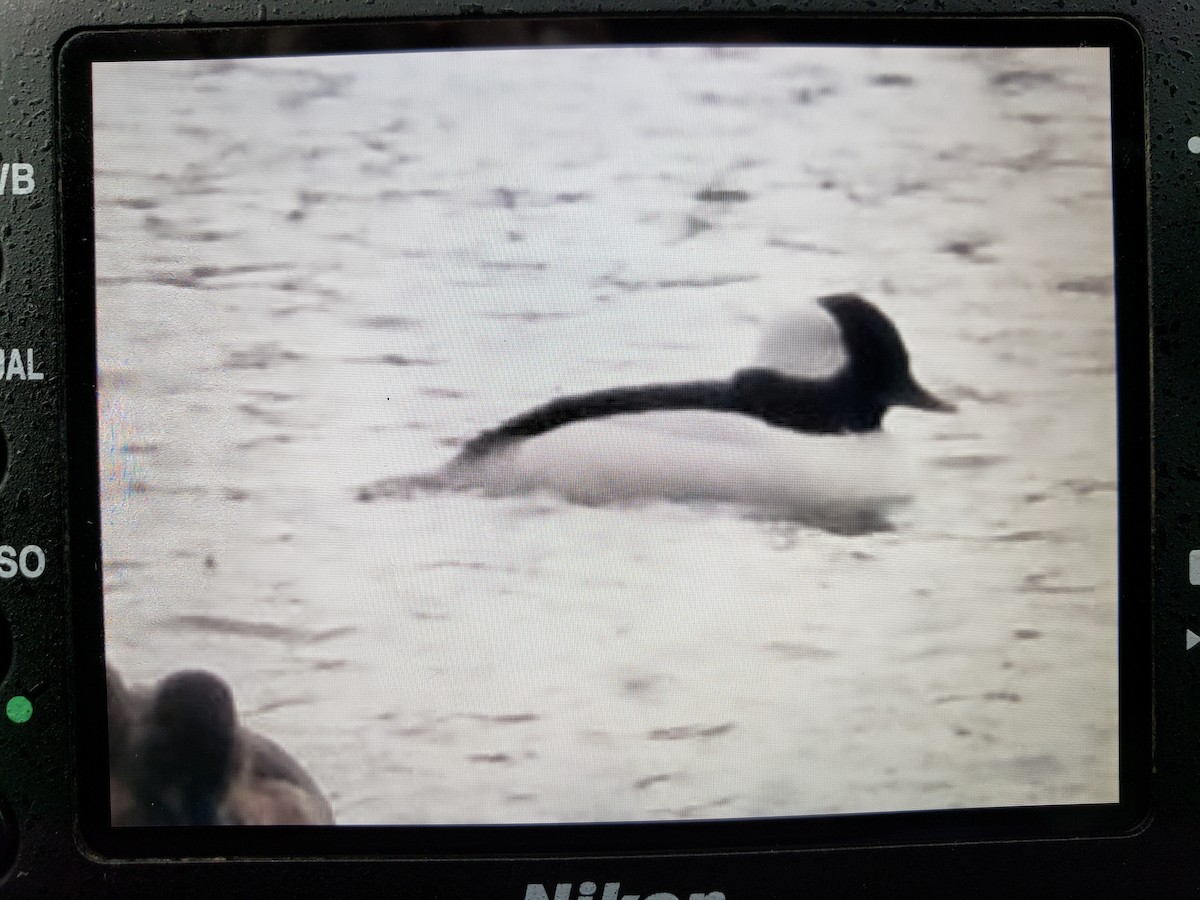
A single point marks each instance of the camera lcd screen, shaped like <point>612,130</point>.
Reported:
<point>577,431</point>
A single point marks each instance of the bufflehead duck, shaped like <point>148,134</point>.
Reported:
<point>179,757</point>
<point>758,442</point>
<point>874,377</point>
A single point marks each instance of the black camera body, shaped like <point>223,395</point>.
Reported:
<point>326,330</point>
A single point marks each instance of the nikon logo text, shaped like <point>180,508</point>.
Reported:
<point>609,891</point>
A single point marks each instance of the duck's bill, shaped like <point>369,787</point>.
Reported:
<point>917,397</point>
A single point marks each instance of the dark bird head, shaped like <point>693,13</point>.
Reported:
<point>878,363</point>
<point>179,757</point>
<point>187,747</point>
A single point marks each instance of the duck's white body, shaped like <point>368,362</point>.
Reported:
<point>841,483</point>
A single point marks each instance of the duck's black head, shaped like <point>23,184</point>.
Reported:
<point>878,362</point>
<point>188,745</point>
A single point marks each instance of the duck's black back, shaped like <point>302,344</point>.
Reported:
<point>875,376</point>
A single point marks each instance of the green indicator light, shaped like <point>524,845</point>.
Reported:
<point>19,709</point>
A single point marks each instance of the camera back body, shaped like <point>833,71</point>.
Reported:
<point>563,454</point>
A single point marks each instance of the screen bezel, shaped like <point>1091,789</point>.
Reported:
<point>80,50</point>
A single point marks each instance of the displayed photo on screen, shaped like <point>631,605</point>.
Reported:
<point>580,434</point>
